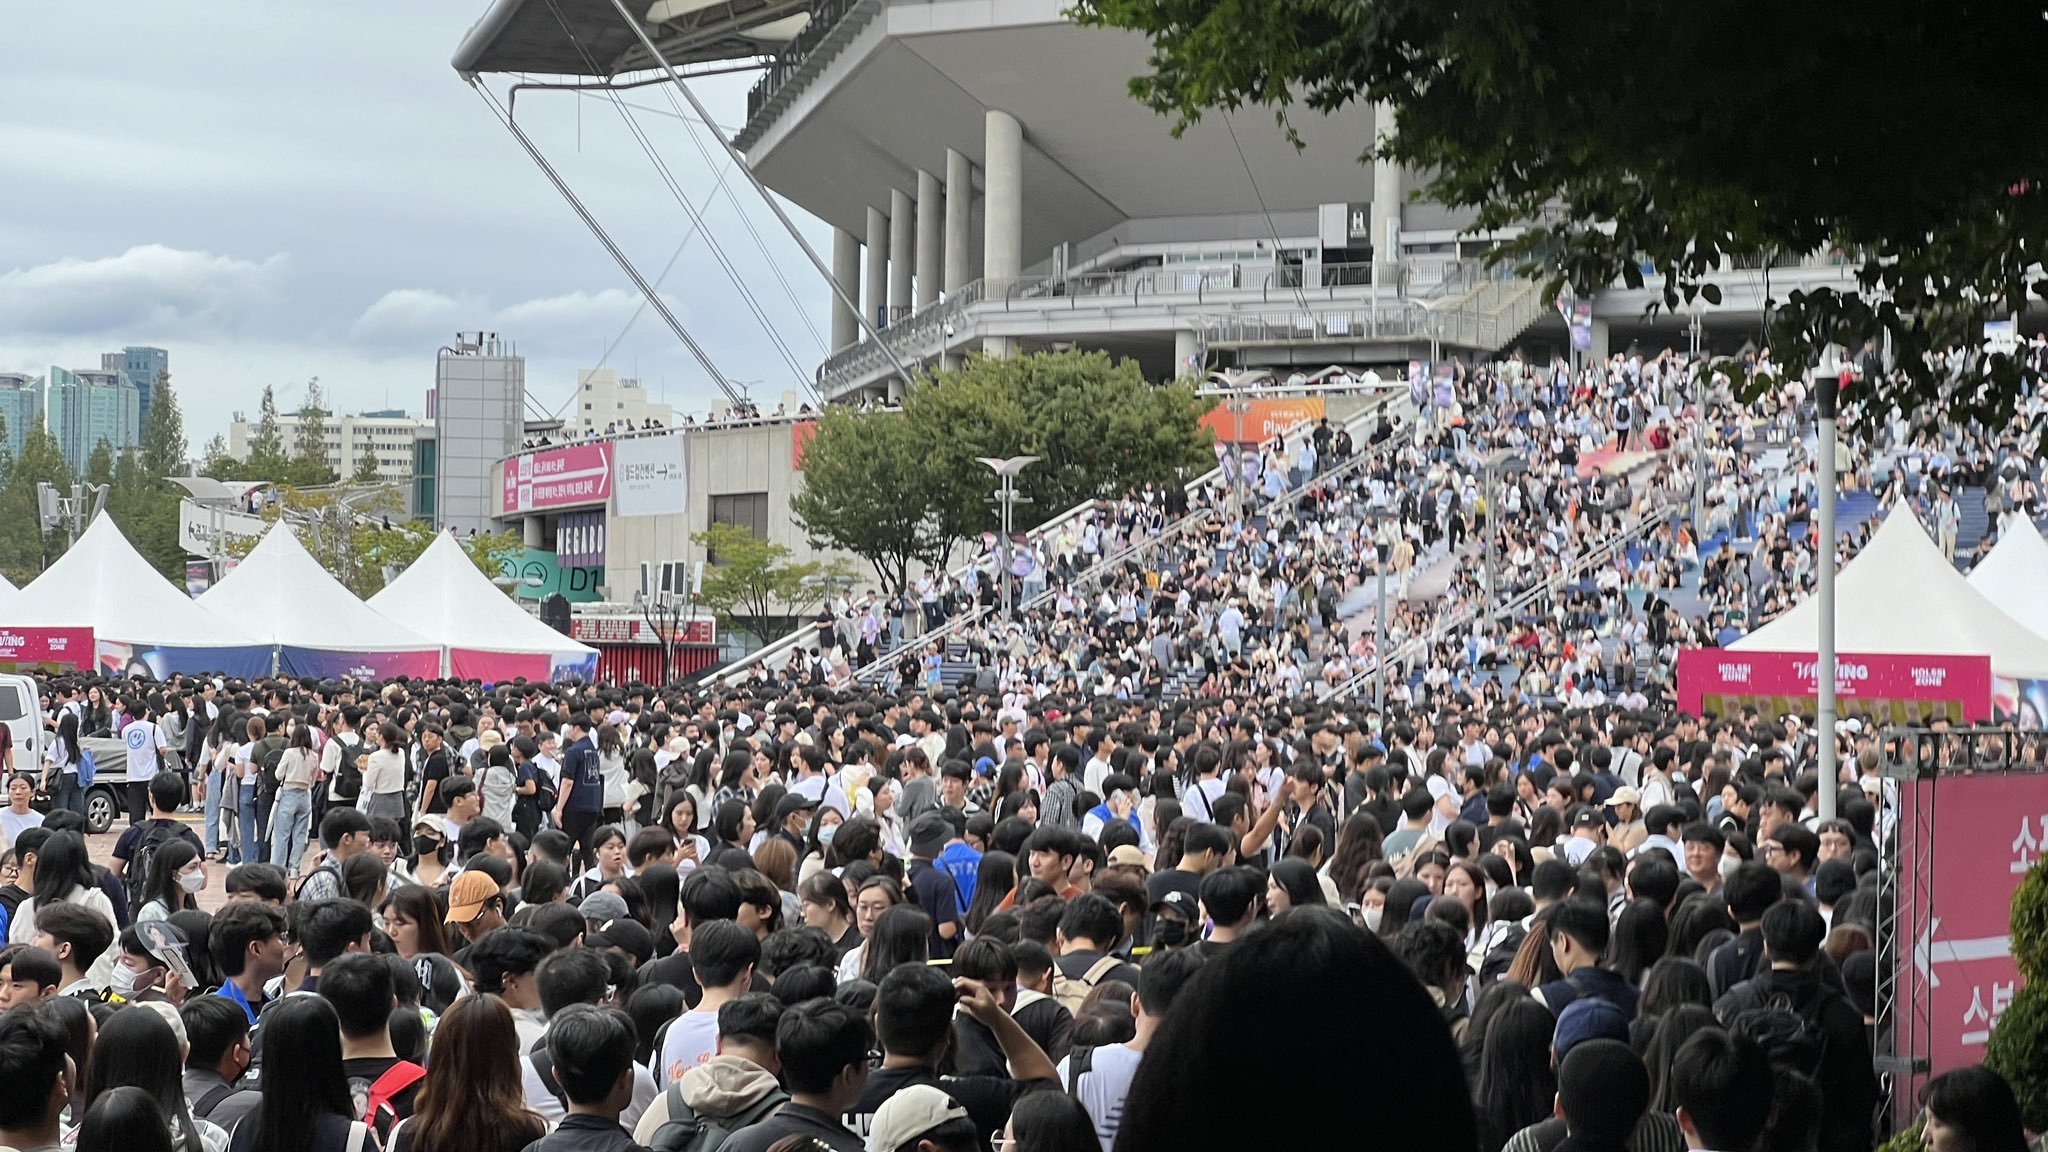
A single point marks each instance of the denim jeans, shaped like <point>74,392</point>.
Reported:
<point>215,783</point>
<point>245,805</point>
<point>70,797</point>
<point>290,819</point>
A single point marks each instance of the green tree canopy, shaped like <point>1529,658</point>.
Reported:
<point>1682,136</point>
<point>266,445</point>
<point>22,542</point>
<point>753,586</point>
<point>163,433</point>
<point>902,488</point>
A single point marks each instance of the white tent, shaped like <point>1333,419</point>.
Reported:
<point>1901,596</point>
<point>103,584</point>
<point>444,597</point>
<point>2015,575</point>
<point>283,595</point>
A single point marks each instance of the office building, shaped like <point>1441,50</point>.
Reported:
<point>478,411</point>
<point>140,368</point>
<point>21,405</point>
<point>386,436</point>
<point>607,401</point>
<point>85,407</point>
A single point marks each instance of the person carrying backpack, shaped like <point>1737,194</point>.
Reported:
<point>1089,930</point>
<point>1806,1026</point>
<point>823,1045</point>
<point>730,1091</point>
<point>135,852</point>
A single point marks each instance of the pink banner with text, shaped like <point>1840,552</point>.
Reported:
<point>557,478</point>
<point>1888,688</point>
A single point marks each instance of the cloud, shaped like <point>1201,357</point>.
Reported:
<point>585,320</point>
<point>148,292</point>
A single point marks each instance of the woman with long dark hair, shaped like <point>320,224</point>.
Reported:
<point>125,1120</point>
<point>176,876</point>
<point>311,1109</point>
<point>61,762</point>
<point>1359,846</point>
<point>1050,1122</point>
<point>993,879</point>
<point>63,876</point>
<point>137,1049</point>
<point>1516,1085</point>
<point>472,1099</point>
<point>413,917</point>
<point>611,766</point>
<point>1971,1110</point>
<point>1290,884</point>
<point>902,935</point>
<point>608,845</point>
<point>681,820</point>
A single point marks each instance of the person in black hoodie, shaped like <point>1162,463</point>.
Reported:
<point>1806,1025</point>
<point>1602,1091</point>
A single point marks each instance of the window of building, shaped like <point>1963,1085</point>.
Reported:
<point>745,508</point>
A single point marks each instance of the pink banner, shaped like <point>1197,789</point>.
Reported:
<point>1891,689</point>
<point>1955,949</point>
<point>498,667</point>
<point>57,648</point>
<point>557,478</point>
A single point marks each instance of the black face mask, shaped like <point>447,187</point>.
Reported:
<point>427,846</point>
<point>1169,932</point>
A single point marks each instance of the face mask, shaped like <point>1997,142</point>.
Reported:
<point>425,846</point>
<point>123,981</point>
<point>1372,918</point>
<point>1169,933</point>
<point>193,882</point>
<point>1728,866</point>
<point>826,833</point>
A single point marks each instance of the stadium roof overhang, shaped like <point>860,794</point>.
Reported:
<point>588,38</point>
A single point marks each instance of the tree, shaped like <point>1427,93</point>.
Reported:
<point>23,546</point>
<point>6,453</point>
<point>1740,142</point>
<point>309,465</point>
<point>366,468</point>
<point>266,458</point>
<point>163,434</point>
<point>99,465</point>
<point>753,587</point>
<point>216,463</point>
<point>898,489</point>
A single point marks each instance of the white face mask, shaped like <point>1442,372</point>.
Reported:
<point>193,881</point>
<point>122,982</point>
<point>1372,918</point>
<point>1728,866</point>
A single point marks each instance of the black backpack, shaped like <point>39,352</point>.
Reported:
<point>135,873</point>
<point>685,1131</point>
<point>1791,1038</point>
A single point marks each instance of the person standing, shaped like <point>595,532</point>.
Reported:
<point>581,798</point>
<point>292,818</point>
<point>146,747</point>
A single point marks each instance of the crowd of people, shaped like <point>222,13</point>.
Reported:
<point>778,918</point>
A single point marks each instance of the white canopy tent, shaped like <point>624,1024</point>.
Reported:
<point>140,622</point>
<point>446,598</point>
<point>2015,575</point>
<point>283,595</point>
<point>1900,595</point>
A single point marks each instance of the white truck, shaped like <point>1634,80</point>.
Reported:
<point>21,711</point>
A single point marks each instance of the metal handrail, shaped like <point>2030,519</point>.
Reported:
<point>1587,561</point>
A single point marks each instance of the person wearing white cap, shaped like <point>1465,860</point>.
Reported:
<point>922,1118</point>
<point>1626,804</point>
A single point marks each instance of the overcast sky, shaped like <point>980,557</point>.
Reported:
<point>276,191</point>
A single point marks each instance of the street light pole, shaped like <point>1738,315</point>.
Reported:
<point>1699,433</point>
<point>1382,551</point>
<point>1006,496</point>
<point>1827,384</point>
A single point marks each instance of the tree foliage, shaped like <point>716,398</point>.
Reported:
<point>163,433</point>
<point>357,535</point>
<point>23,545</point>
<point>753,586</point>
<point>1685,138</point>
<point>309,445</point>
<point>904,488</point>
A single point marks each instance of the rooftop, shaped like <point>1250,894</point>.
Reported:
<point>587,38</point>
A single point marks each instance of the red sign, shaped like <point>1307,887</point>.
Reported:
<point>557,478</point>
<point>56,648</point>
<point>1262,419</point>
<point>1892,689</point>
<point>1956,949</point>
<point>700,631</point>
<point>801,434</point>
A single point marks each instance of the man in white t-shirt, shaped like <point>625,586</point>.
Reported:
<point>146,745</point>
<point>1100,1078</point>
<point>722,957</point>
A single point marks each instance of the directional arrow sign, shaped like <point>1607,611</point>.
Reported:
<point>1928,952</point>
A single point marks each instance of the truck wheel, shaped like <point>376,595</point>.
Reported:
<point>100,810</point>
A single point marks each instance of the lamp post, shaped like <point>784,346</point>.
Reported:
<point>1699,432</point>
<point>1382,550</point>
<point>1826,379</point>
<point>1005,498</point>
<point>1505,462</point>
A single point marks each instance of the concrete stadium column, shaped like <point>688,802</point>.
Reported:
<point>875,297</point>
<point>1599,351</point>
<point>1002,228</point>
<point>959,221</point>
<point>1386,205</point>
<point>1186,346</point>
<point>902,250</point>
<point>845,273</point>
<point>931,224</point>
<point>530,531</point>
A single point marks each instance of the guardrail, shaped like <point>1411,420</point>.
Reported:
<point>1593,558</point>
<point>825,16</point>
